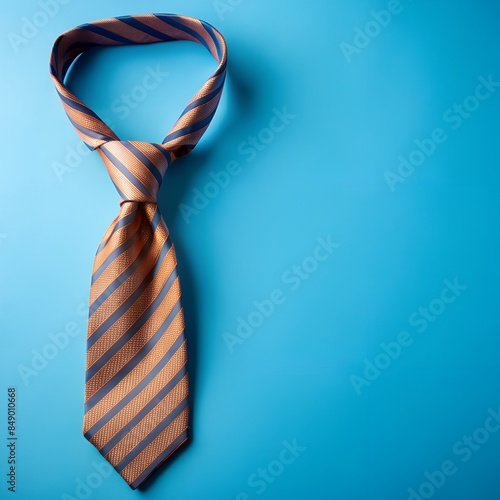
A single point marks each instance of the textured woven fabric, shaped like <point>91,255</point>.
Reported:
<point>136,391</point>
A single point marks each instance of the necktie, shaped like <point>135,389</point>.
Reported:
<point>136,408</point>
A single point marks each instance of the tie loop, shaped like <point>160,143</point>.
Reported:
<point>133,30</point>
<point>136,168</point>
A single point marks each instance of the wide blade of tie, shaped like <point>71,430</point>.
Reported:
<point>136,391</point>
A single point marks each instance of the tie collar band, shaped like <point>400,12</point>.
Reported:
<point>135,30</point>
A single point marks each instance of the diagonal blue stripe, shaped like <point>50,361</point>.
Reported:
<point>144,411</point>
<point>124,276</point>
<point>90,132</point>
<point>175,22</point>
<point>107,33</point>
<point>121,223</point>
<point>137,389</point>
<point>131,331</point>
<point>210,31</point>
<point>135,360</point>
<point>122,195</point>
<point>81,47</point>
<point>78,106</point>
<point>124,247</point>
<point>190,128</point>
<point>65,68</point>
<point>152,435</point>
<point>130,21</point>
<point>221,70</point>
<point>115,254</point>
<point>159,460</point>
<point>205,99</point>
<point>55,53</point>
<point>164,152</point>
<point>144,159</point>
<point>126,172</point>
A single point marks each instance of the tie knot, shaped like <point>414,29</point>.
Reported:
<point>136,168</point>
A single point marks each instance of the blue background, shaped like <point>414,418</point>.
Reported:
<point>323,175</point>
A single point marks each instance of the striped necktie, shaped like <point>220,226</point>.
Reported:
<point>136,409</point>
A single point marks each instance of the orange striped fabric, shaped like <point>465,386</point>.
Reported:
<point>136,391</point>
